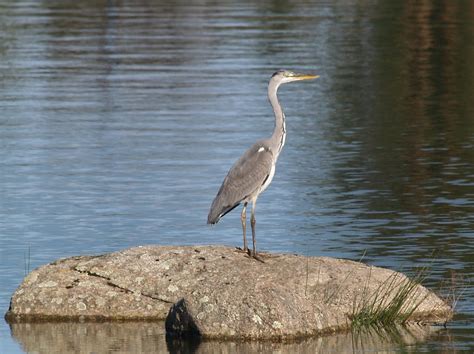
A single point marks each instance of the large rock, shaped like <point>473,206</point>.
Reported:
<point>215,292</point>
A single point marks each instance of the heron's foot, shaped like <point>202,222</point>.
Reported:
<point>255,256</point>
<point>244,250</point>
<point>250,253</point>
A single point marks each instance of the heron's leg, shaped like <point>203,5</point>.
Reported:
<point>252,223</point>
<point>243,219</point>
<point>254,238</point>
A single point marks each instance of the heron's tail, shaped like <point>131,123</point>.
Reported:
<point>212,219</point>
<point>217,212</point>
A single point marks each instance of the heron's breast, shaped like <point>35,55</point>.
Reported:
<point>267,181</point>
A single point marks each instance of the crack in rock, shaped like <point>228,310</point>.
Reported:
<point>113,285</point>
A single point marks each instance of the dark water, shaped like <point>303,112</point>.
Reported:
<point>120,119</point>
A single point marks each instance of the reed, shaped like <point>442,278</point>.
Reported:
<point>393,302</point>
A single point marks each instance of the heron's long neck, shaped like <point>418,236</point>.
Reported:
<point>279,133</point>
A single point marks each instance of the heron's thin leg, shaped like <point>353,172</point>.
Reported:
<point>254,238</point>
<point>243,219</point>
<point>252,223</point>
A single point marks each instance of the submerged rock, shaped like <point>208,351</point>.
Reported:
<point>216,292</point>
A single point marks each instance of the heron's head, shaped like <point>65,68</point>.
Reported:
<point>284,76</point>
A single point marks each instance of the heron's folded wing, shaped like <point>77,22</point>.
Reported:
<point>245,177</point>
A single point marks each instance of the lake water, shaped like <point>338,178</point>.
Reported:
<point>119,121</point>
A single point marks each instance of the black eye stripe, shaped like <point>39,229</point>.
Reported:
<point>278,72</point>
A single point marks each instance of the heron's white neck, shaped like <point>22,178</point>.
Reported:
<point>279,133</point>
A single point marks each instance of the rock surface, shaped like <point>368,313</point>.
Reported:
<point>214,292</point>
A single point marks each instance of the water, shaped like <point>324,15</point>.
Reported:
<point>119,121</point>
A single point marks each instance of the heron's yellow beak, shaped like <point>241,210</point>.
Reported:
<point>305,77</point>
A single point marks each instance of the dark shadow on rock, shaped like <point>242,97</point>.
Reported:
<point>184,338</point>
<point>180,323</point>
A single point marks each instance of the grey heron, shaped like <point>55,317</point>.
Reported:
<point>254,170</point>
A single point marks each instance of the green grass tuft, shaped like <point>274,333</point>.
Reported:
<point>392,303</point>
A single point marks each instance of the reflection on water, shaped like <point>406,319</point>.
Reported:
<point>150,338</point>
<point>120,119</point>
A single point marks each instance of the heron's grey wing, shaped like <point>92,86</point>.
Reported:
<point>247,175</point>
